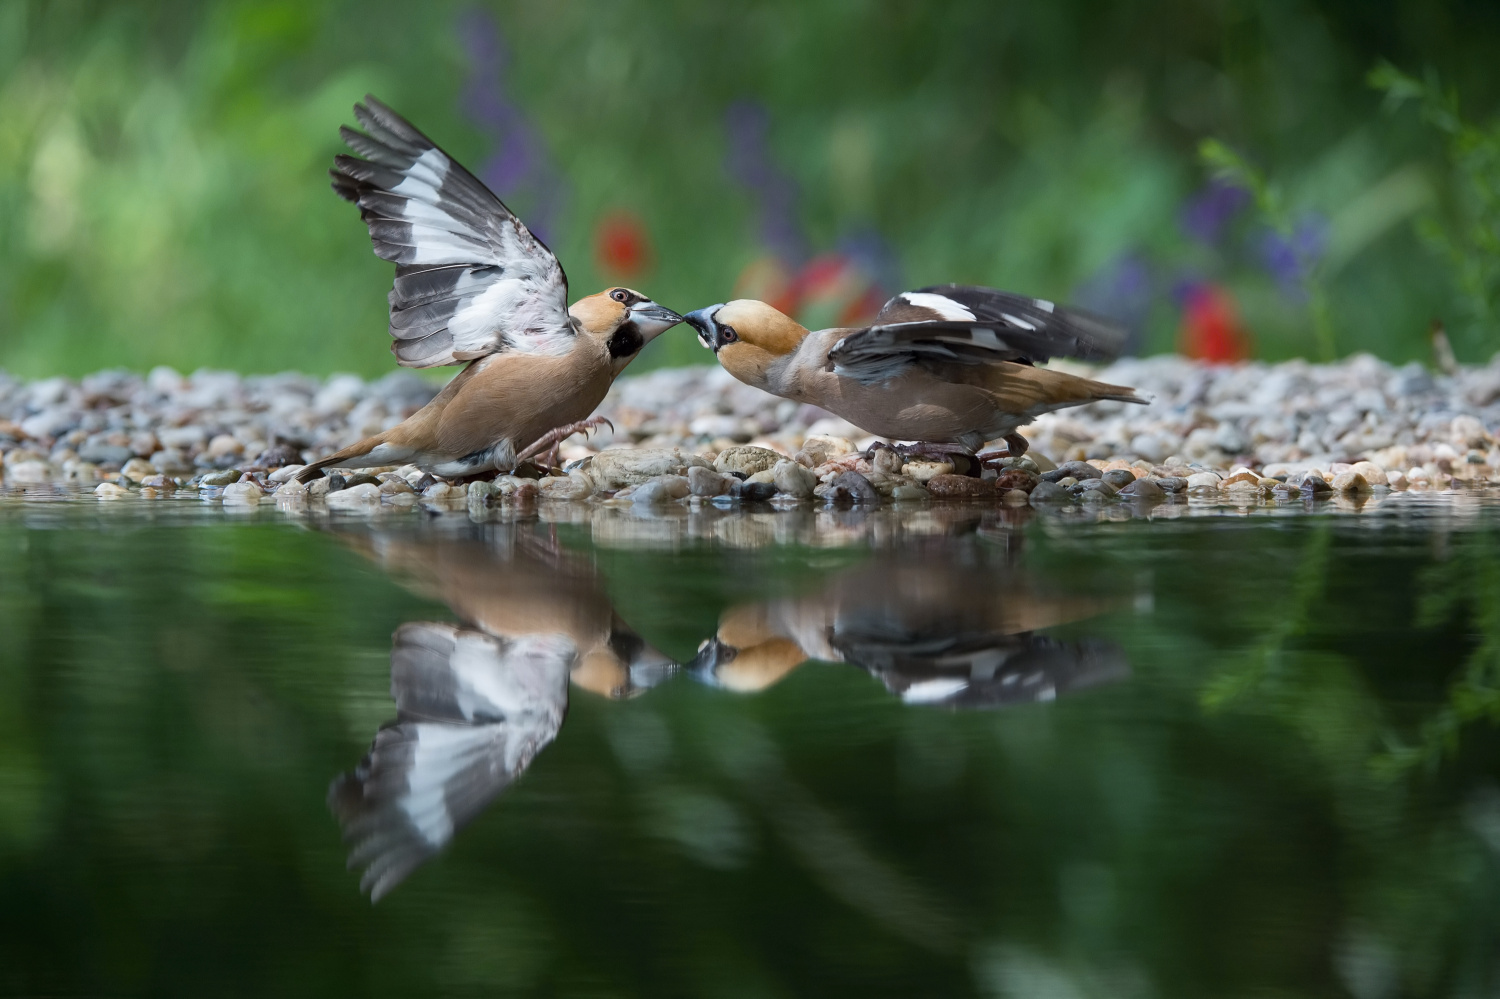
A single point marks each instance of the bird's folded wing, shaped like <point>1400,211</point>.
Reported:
<point>471,279</point>
<point>474,710</point>
<point>968,325</point>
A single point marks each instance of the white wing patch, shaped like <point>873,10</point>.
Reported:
<point>945,307</point>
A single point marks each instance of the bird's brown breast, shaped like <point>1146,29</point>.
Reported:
<point>519,397</point>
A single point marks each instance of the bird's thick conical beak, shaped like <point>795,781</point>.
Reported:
<point>652,319</point>
<point>711,655</point>
<point>703,321</point>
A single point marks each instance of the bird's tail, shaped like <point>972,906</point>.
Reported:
<point>1102,391</point>
<point>1026,389</point>
<point>357,450</point>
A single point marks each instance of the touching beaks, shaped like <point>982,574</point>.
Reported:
<point>712,654</point>
<point>703,321</point>
<point>652,319</point>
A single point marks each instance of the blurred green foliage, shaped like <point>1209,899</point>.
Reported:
<point>163,200</point>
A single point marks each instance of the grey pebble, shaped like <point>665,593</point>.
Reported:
<point>856,487</point>
<point>1048,492</point>
<point>1072,469</point>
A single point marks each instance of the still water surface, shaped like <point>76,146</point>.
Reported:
<point>883,754</point>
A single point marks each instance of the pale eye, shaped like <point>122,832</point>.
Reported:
<point>727,333</point>
<point>619,294</point>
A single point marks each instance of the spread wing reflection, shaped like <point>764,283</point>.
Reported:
<point>476,702</point>
<point>934,633</point>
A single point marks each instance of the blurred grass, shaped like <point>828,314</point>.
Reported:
<point>163,197</point>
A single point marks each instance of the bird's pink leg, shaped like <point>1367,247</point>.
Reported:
<point>552,439</point>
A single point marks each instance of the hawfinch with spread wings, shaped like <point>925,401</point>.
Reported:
<point>949,364</point>
<point>474,286</point>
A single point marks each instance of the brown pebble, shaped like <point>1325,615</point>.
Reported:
<point>958,486</point>
<point>1016,478</point>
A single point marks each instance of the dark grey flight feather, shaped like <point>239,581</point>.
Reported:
<point>471,279</point>
<point>473,710</point>
<point>959,324</point>
<point>982,670</point>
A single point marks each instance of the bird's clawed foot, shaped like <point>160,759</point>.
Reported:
<point>1015,446</point>
<point>547,445</point>
<point>963,460</point>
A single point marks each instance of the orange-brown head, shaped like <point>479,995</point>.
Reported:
<point>747,336</point>
<point>748,653</point>
<point>623,320</point>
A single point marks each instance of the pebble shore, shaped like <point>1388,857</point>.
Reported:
<point>1249,434</point>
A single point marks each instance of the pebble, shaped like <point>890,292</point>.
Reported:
<point>110,491</point>
<point>363,497</point>
<point>1144,488</point>
<point>910,491</point>
<point>1202,481</point>
<point>856,487</point>
<point>1396,428</point>
<point>958,487</point>
<point>660,490</point>
<point>1076,470</point>
<point>629,467</point>
<point>224,478</point>
<point>747,460</point>
<point>1350,482</point>
<point>796,480</point>
<point>242,493</point>
<point>752,492</point>
<point>1048,492</point>
<point>1016,479</point>
<point>926,471</point>
<point>573,486</point>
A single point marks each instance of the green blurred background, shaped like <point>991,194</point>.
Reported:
<point>163,198</point>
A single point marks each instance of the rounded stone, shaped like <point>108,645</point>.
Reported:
<point>620,467</point>
<point>1144,489</point>
<point>242,493</point>
<point>1350,482</point>
<point>795,479</point>
<point>110,491</point>
<point>1048,492</point>
<point>910,491</point>
<point>857,488</point>
<point>1119,477</point>
<point>365,496</point>
<point>958,487</point>
<point>1016,479</point>
<point>925,471</point>
<point>747,459</point>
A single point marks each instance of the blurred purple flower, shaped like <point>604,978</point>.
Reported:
<point>1206,216</point>
<point>520,161</point>
<point>751,164</point>
<point>1121,290</point>
<point>1290,259</point>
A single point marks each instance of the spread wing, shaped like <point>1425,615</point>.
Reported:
<point>471,279</point>
<point>473,711</point>
<point>958,324</point>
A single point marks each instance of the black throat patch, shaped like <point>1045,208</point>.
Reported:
<point>625,341</point>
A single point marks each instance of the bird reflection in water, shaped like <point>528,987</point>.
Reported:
<point>933,632</point>
<point>476,702</point>
<point>952,623</point>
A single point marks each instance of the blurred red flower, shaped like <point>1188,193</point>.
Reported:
<point>1211,328</point>
<point>621,245</point>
